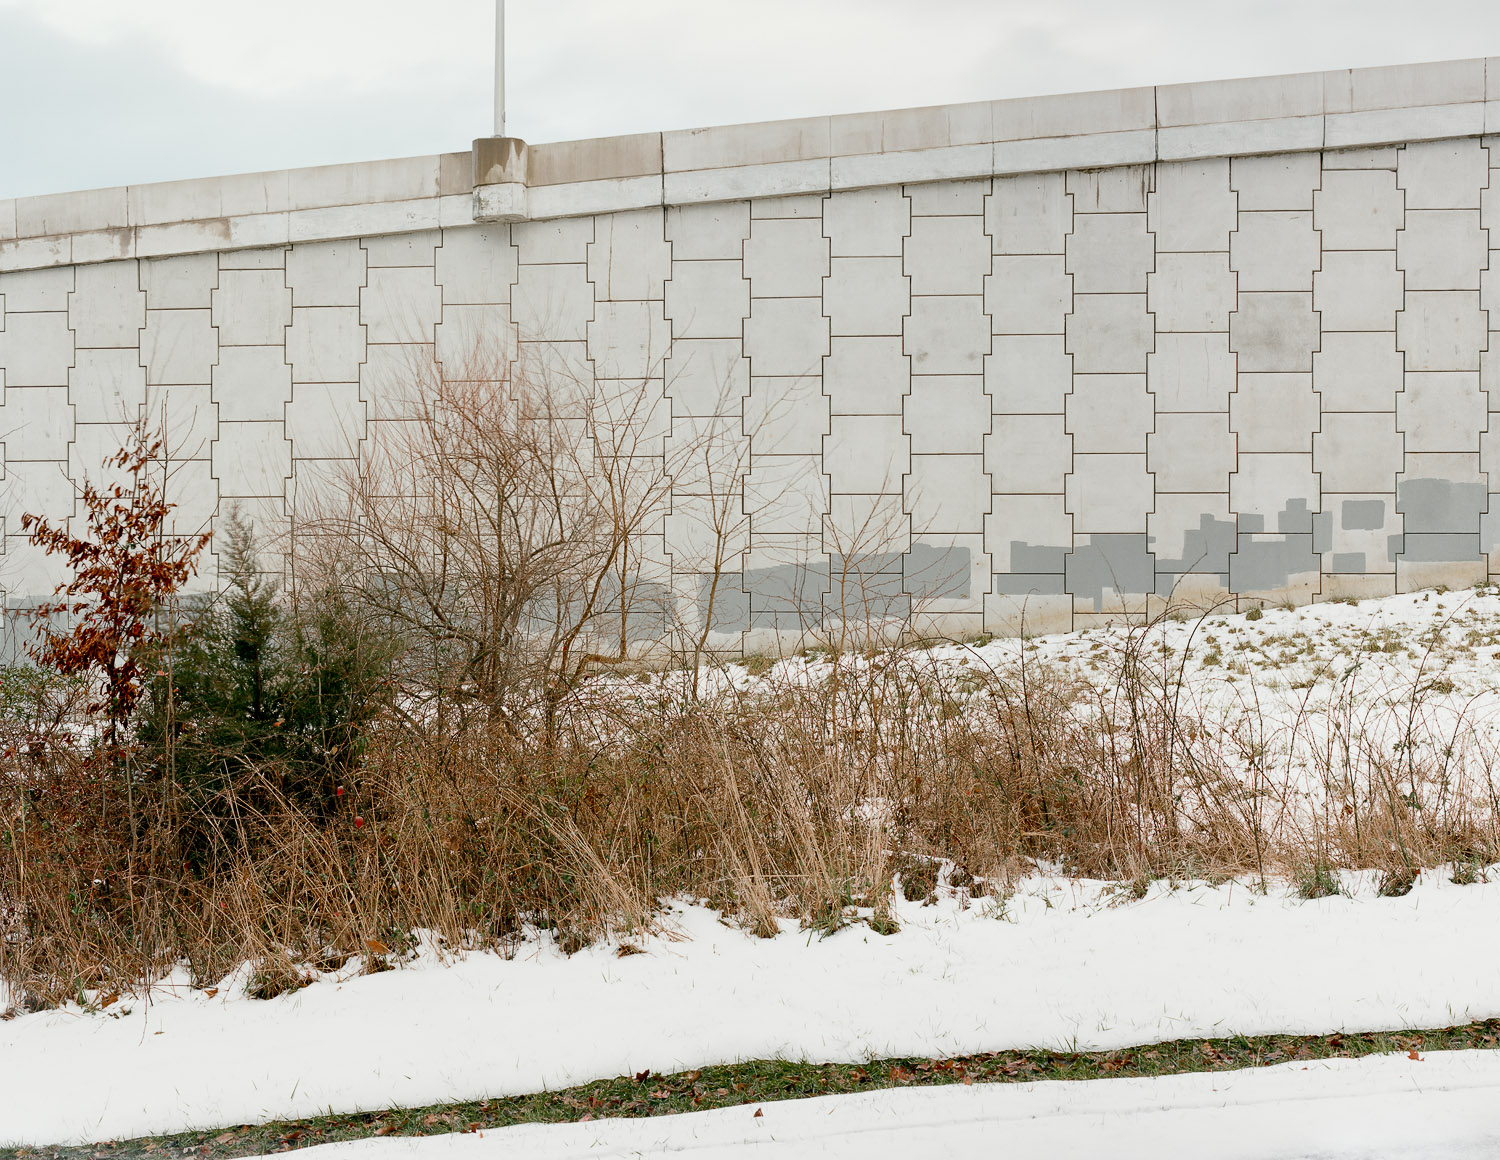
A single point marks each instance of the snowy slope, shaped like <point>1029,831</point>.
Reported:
<point>1062,967</point>
<point>1063,964</point>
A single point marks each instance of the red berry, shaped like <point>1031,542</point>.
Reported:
<point>339,792</point>
<point>358,822</point>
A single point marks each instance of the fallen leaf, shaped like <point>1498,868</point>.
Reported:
<point>211,992</point>
<point>112,997</point>
<point>1413,1055</point>
<point>626,949</point>
<point>377,947</point>
<point>758,1112</point>
<point>643,1076</point>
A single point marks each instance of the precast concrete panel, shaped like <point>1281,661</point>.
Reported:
<point>1044,362</point>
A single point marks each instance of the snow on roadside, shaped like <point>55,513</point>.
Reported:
<point>1441,1107</point>
<point>1062,966</point>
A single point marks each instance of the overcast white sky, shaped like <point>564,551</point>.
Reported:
<point>110,92</point>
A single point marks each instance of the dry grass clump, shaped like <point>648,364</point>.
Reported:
<point>416,737</point>
<point>798,800</point>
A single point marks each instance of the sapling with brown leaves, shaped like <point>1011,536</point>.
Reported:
<point>105,622</point>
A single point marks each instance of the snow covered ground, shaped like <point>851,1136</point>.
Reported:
<point>1061,963</point>
<point>1441,1107</point>
<point>1319,709</point>
<point>1064,966</point>
<point>1452,634</point>
<point>1277,666</point>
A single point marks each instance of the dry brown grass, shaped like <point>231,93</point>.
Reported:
<point>800,800</point>
<point>502,786</point>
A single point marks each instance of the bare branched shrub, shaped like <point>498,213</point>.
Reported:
<point>498,532</point>
<point>443,724</point>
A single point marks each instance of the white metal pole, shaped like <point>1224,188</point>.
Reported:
<point>499,68</point>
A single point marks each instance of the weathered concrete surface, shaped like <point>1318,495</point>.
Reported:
<point>1060,357</point>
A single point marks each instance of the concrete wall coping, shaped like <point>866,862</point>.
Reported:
<point>1340,109</point>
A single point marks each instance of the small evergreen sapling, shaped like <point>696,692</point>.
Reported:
<point>262,694</point>
<point>217,703</point>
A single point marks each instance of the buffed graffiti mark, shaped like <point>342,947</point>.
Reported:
<point>1030,584</point>
<point>1362,515</point>
<point>1443,519</point>
<point>935,573</point>
<point>1441,505</point>
<point>1240,553</point>
<point>1119,562</point>
<point>1266,562</point>
<point>805,594</point>
<point>1440,547</point>
<point>1036,558</point>
<point>1205,550</point>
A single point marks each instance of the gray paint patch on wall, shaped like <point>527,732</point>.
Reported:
<point>1263,562</point>
<point>1322,530</point>
<point>1029,584</point>
<point>1242,555</point>
<point>1441,505</point>
<point>1443,521</point>
<point>1362,515</point>
<point>649,610</point>
<point>937,573</point>
<point>1295,517</point>
<point>1206,549</point>
<point>730,603</point>
<point>875,584</point>
<point>1122,562</point>
<point>1036,557</point>
<point>786,596</point>
<point>1441,547</point>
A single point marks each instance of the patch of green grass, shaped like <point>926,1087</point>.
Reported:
<point>762,1081</point>
<point>1467,872</point>
<point>757,663</point>
<point>1318,881</point>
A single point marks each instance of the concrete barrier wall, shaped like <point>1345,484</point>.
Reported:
<point>1060,355</point>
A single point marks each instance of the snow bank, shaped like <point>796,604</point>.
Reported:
<point>1063,967</point>
<point>1442,1107</point>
